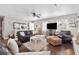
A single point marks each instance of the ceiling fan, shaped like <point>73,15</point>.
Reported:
<point>39,15</point>
<point>55,5</point>
<point>36,15</point>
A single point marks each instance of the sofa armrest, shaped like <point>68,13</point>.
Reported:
<point>35,53</point>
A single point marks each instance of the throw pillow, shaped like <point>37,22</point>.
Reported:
<point>22,33</point>
<point>12,45</point>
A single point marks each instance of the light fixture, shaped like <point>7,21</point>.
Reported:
<point>36,15</point>
<point>55,5</point>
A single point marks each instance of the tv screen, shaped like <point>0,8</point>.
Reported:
<point>52,26</point>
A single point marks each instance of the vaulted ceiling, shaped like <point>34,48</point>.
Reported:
<point>25,11</point>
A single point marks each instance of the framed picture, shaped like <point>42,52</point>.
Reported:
<point>72,25</point>
<point>19,26</point>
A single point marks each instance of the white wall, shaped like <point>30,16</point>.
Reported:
<point>8,25</point>
<point>65,19</point>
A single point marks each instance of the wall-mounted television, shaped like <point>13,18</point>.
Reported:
<point>52,26</point>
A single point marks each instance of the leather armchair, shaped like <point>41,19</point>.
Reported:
<point>66,36</point>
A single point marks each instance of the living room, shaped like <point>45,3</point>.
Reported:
<point>46,29</point>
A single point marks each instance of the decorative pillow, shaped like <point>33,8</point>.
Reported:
<point>12,45</point>
<point>22,33</point>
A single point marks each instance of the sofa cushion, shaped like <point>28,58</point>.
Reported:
<point>35,53</point>
<point>12,45</point>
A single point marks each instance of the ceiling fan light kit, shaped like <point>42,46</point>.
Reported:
<point>36,15</point>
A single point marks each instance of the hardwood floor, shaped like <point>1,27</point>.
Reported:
<point>55,50</point>
<point>62,49</point>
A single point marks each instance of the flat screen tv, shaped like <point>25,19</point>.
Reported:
<point>52,26</point>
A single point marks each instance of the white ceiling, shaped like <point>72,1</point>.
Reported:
<point>25,11</point>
